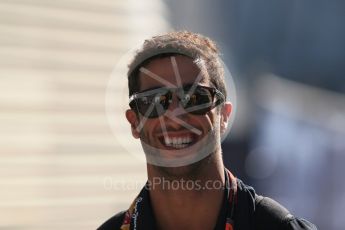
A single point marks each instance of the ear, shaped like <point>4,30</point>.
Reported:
<point>225,114</point>
<point>133,121</point>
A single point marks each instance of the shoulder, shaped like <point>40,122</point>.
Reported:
<point>114,222</point>
<point>269,212</point>
<point>265,212</point>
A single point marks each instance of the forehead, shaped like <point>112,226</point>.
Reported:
<point>170,70</point>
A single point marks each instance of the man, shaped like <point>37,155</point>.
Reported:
<point>178,110</point>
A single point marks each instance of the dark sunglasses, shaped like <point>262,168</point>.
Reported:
<point>195,99</point>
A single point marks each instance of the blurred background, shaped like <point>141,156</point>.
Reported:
<point>59,158</point>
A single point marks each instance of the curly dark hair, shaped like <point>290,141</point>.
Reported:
<point>202,49</point>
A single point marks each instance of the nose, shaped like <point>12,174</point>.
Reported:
<point>169,120</point>
<point>174,103</point>
<point>175,107</point>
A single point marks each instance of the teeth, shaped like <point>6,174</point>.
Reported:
<point>180,146</point>
<point>167,140</point>
<point>178,142</point>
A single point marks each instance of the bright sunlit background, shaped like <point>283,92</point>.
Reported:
<point>59,160</point>
<point>58,157</point>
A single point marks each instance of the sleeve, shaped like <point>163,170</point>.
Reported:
<point>299,224</point>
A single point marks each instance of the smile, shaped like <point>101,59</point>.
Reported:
<point>178,142</point>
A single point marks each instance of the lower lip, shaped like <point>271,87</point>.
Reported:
<point>178,146</point>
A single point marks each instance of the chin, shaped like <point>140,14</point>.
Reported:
<point>188,171</point>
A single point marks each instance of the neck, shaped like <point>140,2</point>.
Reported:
<point>177,192</point>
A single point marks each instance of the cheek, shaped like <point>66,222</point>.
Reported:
<point>206,122</point>
<point>148,129</point>
<point>213,119</point>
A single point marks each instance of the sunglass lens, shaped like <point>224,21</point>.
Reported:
<point>198,102</point>
<point>153,106</point>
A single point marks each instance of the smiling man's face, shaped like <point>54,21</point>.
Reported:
<point>175,133</point>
